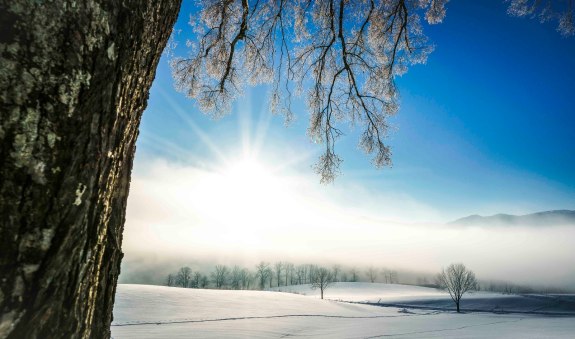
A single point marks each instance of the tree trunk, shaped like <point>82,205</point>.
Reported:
<point>457,304</point>
<point>74,81</point>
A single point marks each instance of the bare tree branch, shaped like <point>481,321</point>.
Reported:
<point>558,10</point>
<point>345,54</point>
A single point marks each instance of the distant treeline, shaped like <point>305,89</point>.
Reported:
<point>266,275</point>
<point>511,288</point>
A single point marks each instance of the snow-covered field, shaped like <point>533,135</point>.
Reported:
<point>165,312</point>
<point>430,298</point>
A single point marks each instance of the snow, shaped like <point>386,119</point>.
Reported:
<point>143,311</point>
<point>430,298</point>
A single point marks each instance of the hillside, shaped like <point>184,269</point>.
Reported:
<point>143,311</point>
<point>541,219</point>
<point>430,298</point>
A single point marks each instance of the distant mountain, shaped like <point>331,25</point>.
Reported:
<point>547,218</point>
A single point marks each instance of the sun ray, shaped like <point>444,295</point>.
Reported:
<point>244,117</point>
<point>263,124</point>
<point>204,138</point>
<point>164,146</point>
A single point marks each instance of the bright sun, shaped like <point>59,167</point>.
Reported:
<point>254,187</point>
<point>244,196</point>
<point>248,173</point>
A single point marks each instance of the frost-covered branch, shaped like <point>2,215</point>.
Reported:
<point>342,55</point>
<point>546,10</point>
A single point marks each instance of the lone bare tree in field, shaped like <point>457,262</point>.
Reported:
<point>322,278</point>
<point>457,279</point>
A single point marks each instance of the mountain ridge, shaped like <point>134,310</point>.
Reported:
<point>545,218</point>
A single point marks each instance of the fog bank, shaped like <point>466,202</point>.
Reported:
<point>183,215</point>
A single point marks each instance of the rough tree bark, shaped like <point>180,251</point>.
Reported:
<point>74,81</point>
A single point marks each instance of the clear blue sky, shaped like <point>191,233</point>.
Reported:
<point>486,126</point>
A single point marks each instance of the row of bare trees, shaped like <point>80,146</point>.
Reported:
<point>187,279</point>
<point>513,288</point>
<point>456,278</point>
<point>221,277</point>
<point>384,275</point>
<point>268,275</point>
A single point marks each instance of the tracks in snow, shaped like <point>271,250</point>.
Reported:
<point>443,329</point>
<point>536,311</point>
<point>183,321</point>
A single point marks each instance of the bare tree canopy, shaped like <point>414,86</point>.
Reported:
<point>278,269</point>
<point>75,80</point>
<point>457,279</point>
<point>322,278</point>
<point>184,277</point>
<point>560,11</point>
<point>341,55</point>
<point>263,273</point>
<point>220,276</point>
<point>371,274</point>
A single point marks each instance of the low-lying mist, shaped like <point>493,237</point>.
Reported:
<point>186,216</point>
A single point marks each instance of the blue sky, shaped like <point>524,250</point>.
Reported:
<point>486,126</point>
